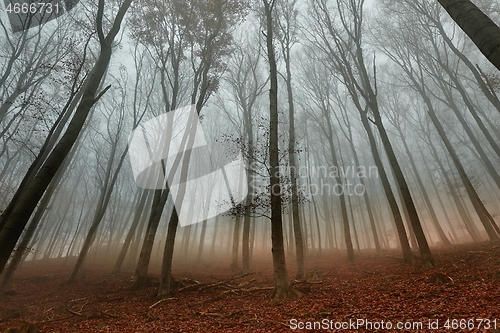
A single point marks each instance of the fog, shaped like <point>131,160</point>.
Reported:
<point>153,135</point>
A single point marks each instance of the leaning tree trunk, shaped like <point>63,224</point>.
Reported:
<point>202,240</point>
<point>479,27</point>
<point>391,198</point>
<point>366,197</point>
<point>16,221</point>
<point>461,209</point>
<point>372,102</point>
<point>482,212</point>
<point>24,244</point>
<point>432,213</point>
<point>425,251</point>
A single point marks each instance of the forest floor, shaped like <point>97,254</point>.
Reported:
<point>463,291</point>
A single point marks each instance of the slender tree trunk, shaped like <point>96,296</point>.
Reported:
<point>132,231</point>
<point>214,236</point>
<point>202,240</point>
<point>492,97</point>
<point>299,244</point>
<point>434,219</point>
<point>366,197</point>
<point>236,243</point>
<point>282,286</point>
<point>245,252</point>
<point>479,149</point>
<point>166,280</point>
<point>443,207</point>
<point>461,209</point>
<point>356,237</point>
<point>339,183</point>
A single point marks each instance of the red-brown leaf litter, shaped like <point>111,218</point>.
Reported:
<point>463,289</point>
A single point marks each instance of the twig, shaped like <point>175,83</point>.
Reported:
<point>81,309</point>
<point>216,314</point>
<point>308,282</point>
<point>75,313</point>
<point>244,283</point>
<point>163,300</point>
<point>110,315</point>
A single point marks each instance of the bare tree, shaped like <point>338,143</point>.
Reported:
<point>344,48</point>
<point>16,220</point>
<point>408,57</point>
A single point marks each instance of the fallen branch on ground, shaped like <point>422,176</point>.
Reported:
<point>163,300</point>
<point>75,313</point>
<point>308,282</point>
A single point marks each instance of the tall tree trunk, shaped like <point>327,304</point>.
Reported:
<point>492,97</point>
<point>461,209</point>
<point>166,280</point>
<point>490,168</point>
<point>297,231</point>
<point>443,207</point>
<point>339,182</point>
<point>282,286</point>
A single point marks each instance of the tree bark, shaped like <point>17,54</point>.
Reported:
<point>479,27</point>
